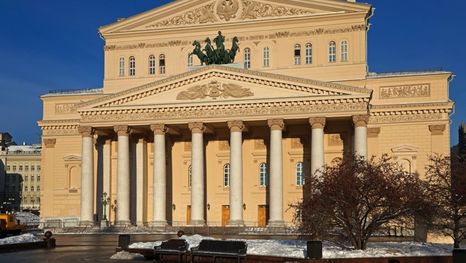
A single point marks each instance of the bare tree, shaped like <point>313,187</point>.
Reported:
<point>446,177</point>
<point>356,197</point>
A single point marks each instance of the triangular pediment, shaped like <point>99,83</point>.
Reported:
<point>224,85</point>
<point>405,149</point>
<point>200,12</point>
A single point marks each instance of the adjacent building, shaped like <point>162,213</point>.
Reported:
<point>169,140</point>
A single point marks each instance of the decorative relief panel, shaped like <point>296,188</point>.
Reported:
<point>335,140</point>
<point>199,15</point>
<point>65,108</point>
<point>254,10</point>
<point>405,91</point>
<point>228,9</point>
<point>406,118</point>
<point>214,90</point>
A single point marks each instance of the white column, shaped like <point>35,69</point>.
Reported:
<point>236,173</point>
<point>360,135</point>
<point>106,171</point>
<point>123,177</point>
<point>317,146</point>
<point>87,176</point>
<point>160,176</point>
<point>141,173</point>
<point>197,176</point>
<point>276,173</point>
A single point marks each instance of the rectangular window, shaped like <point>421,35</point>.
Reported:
<point>309,53</point>
<point>151,65</point>
<point>14,167</point>
<point>132,66</point>
<point>38,178</point>
<point>26,178</point>
<point>247,58</point>
<point>33,168</point>
<point>190,60</point>
<point>266,57</point>
<point>332,52</point>
<point>26,168</point>
<point>122,67</point>
<point>20,168</point>
<point>32,188</point>
<point>38,168</point>
<point>344,51</point>
<point>162,64</point>
<point>297,55</point>
<point>8,168</point>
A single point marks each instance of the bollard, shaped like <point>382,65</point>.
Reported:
<point>314,249</point>
<point>459,255</point>
<point>123,241</point>
<point>49,241</point>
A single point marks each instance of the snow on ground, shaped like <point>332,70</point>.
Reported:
<point>27,218</point>
<point>25,238</point>
<point>297,248</point>
<point>123,255</point>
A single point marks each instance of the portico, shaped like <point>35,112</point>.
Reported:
<point>198,133</point>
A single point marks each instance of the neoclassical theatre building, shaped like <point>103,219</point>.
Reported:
<point>168,141</point>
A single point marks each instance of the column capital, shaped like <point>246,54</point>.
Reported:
<point>236,126</point>
<point>159,128</point>
<point>276,124</point>
<point>197,127</point>
<point>122,130</point>
<point>317,122</point>
<point>86,131</point>
<point>360,120</point>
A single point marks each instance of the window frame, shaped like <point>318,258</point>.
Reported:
<point>332,52</point>
<point>263,175</point>
<point>226,175</point>
<point>162,66</point>
<point>190,176</point>
<point>297,54</point>
<point>300,175</point>
<point>247,58</point>
<point>308,53</point>
<point>266,57</point>
<point>121,70</point>
<point>344,47</point>
<point>190,60</point>
<point>132,66</point>
<point>152,65</point>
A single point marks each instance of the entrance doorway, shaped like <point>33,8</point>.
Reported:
<point>262,215</point>
<point>225,214</point>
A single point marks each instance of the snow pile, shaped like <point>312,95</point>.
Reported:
<point>27,218</point>
<point>123,255</point>
<point>298,248</point>
<point>25,238</point>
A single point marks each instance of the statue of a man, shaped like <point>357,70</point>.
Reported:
<point>219,40</point>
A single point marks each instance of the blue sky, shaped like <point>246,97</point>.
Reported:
<point>53,45</point>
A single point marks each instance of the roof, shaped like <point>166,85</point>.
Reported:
<point>24,149</point>
<point>374,75</point>
<point>74,92</point>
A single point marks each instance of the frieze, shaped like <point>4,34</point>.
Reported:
<point>406,118</point>
<point>255,10</point>
<point>276,35</point>
<point>214,90</point>
<point>199,15</point>
<point>405,91</point>
<point>209,111</point>
<point>61,132</point>
<point>65,108</point>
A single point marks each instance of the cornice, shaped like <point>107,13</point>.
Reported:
<point>243,75</point>
<point>413,108</point>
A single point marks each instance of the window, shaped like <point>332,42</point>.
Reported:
<point>14,167</point>
<point>263,176</point>
<point>344,50</point>
<point>151,65</point>
<point>247,58</point>
<point>38,188</point>
<point>226,175</point>
<point>297,54</point>
<point>38,178</point>
<point>122,67</point>
<point>32,188</point>
<point>38,168</point>
<point>26,178</point>
<point>162,64</point>
<point>26,168</point>
<point>299,174</point>
<point>8,168</point>
<point>25,188</point>
<point>190,60</point>
<point>20,167</point>
<point>332,52</point>
<point>308,53</point>
<point>190,175</point>
<point>132,66</point>
<point>33,168</point>
<point>266,57</point>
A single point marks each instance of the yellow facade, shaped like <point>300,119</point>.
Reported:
<point>407,113</point>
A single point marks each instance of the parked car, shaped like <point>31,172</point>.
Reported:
<point>9,225</point>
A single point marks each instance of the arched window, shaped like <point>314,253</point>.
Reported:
<point>25,188</point>
<point>226,175</point>
<point>122,67</point>
<point>332,52</point>
<point>162,64</point>
<point>190,60</point>
<point>299,174</point>
<point>190,173</point>
<point>151,65</point>
<point>247,58</point>
<point>308,53</point>
<point>266,57</point>
<point>132,66</point>
<point>263,176</point>
<point>297,54</point>
<point>344,50</point>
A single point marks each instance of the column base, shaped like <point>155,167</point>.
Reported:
<point>235,223</point>
<point>86,224</point>
<point>197,223</point>
<point>123,223</point>
<point>276,223</point>
<point>140,224</point>
<point>161,223</point>
<point>103,223</point>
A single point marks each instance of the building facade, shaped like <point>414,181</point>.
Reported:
<point>170,141</point>
<point>21,183</point>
